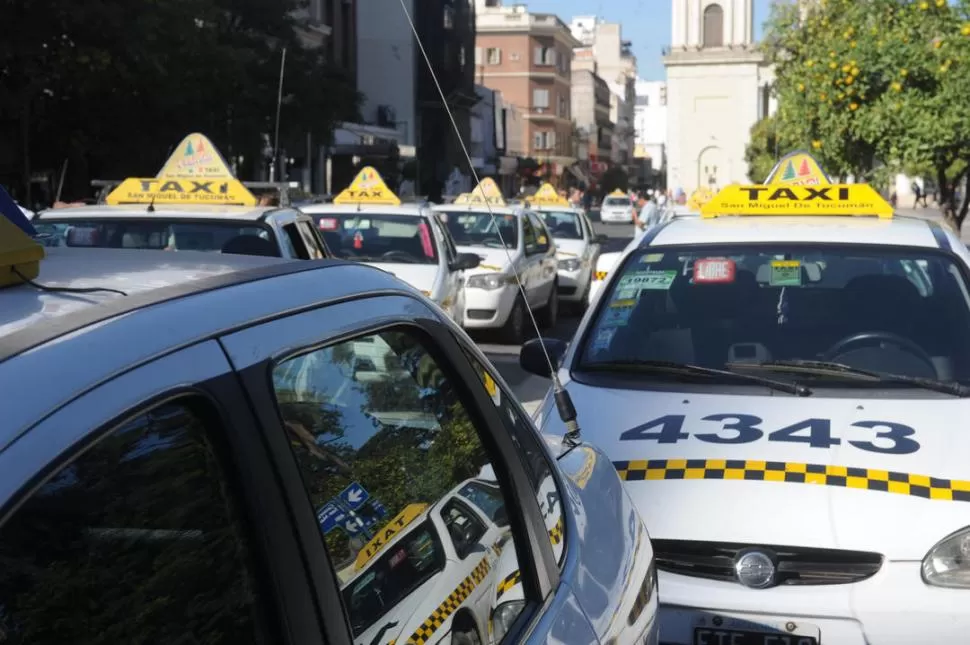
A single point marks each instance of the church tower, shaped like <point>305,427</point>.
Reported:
<point>716,90</point>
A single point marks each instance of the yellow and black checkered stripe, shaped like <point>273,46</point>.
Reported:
<point>451,604</point>
<point>779,471</point>
<point>514,578</point>
<point>601,275</point>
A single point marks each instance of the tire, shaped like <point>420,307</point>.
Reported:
<point>466,636</point>
<point>549,315</point>
<point>513,332</point>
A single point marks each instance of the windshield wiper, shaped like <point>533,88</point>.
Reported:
<point>380,632</point>
<point>842,370</point>
<point>671,367</point>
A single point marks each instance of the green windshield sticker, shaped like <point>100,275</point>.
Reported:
<point>650,258</point>
<point>786,273</point>
<point>660,280</point>
<point>628,293</point>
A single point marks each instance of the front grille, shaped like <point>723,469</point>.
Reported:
<point>794,565</point>
<point>480,314</point>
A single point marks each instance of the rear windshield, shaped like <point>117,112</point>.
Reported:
<point>378,237</point>
<point>563,225</point>
<point>892,310</point>
<point>616,201</point>
<point>160,234</point>
<point>482,229</point>
<point>403,567</point>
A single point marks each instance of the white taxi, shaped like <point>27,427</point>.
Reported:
<point>617,208</point>
<point>781,383</point>
<point>503,237</point>
<point>368,223</point>
<point>577,247</point>
<point>193,204</point>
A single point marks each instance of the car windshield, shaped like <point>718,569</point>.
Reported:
<point>379,237</point>
<point>616,201</point>
<point>564,225</point>
<point>401,568</point>
<point>151,233</point>
<point>889,310</point>
<point>481,229</point>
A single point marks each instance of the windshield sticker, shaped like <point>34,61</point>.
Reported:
<point>627,293</point>
<point>786,273</point>
<point>327,224</point>
<point>358,240</point>
<point>603,339</point>
<point>714,271</point>
<point>650,258</point>
<point>425,234</point>
<point>617,316</point>
<point>659,280</point>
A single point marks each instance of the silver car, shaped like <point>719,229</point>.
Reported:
<point>213,448</point>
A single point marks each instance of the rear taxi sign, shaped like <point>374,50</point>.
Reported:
<point>368,187</point>
<point>617,193</point>
<point>547,196</point>
<point>486,192</point>
<point>194,174</point>
<point>387,533</point>
<point>798,186</point>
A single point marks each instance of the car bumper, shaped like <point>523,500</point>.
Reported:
<point>616,217</point>
<point>486,309</point>
<point>572,285</point>
<point>894,607</point>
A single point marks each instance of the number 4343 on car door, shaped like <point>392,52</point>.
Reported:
<point>886,437</point>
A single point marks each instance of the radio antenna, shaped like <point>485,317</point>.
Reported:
<point>564,404</point>
<point>279,105</point>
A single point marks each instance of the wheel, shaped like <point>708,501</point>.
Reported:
<point>513,333</point>
<point>467,636</point>
<point>548,315</point>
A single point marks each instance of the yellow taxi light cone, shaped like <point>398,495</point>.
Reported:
<point>486,192</point>
<point>368,187</point>
<point>387,532</point>
<point>548,196</point>
<point>20,256</point>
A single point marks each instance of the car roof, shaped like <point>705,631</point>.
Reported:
<point>216,212</point>
<point>476,208</point>
<point>898,231</point>
<point>386,209</point>
<point>559,209</point>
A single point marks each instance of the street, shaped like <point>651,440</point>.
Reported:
<point>529,388</point>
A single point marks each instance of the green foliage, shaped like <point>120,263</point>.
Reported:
<point>882,80</point>
<point>764,149</point>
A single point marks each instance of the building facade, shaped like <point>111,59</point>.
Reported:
<point>650,123</point>
<point>591,112</point>
<point>527,57</point>
<point>717,88</point>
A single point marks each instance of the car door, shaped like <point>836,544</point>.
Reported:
<point>453,301</point>
<point>146,510</point>
<point>545,259</point>
<point>362,453</point>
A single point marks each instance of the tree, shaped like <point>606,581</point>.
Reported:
<point>764,149</point>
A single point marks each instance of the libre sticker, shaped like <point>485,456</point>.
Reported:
<point>659,280</point>
<point>650,258</point>
<point>714,271</point>
<point>786,273</point>
<point>603,338</point>
<point>327,224</point>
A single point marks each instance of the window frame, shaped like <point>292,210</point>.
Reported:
<point>201,370</point>
<point>255,350</point>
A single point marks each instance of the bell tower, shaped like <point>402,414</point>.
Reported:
<point>712,24</point>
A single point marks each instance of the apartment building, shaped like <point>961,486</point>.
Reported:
<point>527,57</point>
<point>650,122</point>
<point>591,111</point>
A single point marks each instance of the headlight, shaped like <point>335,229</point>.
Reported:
<point>572,264</point>
<point>503,617</point>
<point>488,281</point>
<point>948,563</point>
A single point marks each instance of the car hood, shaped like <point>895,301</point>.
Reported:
<point>420,276</point>
<point>493,260</point>
<point>866,493</point>
<point>566,249</point>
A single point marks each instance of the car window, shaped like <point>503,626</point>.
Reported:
<point>883,309</point>
<point>481,229</point>
<point>617,201</point>
<point>161,233</point>
<point>451,253</point>
<point>296,241</point>
<point>564,225</point>
<point>379,237</point>
<point>310,240</point>
<point>383,452</point>
<point>530,236</point>
<point>139,539</point>
<point>464,527</point>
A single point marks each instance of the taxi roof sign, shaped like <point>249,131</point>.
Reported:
<point>798,168</point>
<point>699,197</point>
<point>194,174</point>
<point>548,196</point>
<point>20,255</point>
<point>486,192</point>
<point>368,187</point>
<point>387,532</point>
<point>617,193</point>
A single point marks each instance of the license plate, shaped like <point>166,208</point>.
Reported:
<point>715,636</point>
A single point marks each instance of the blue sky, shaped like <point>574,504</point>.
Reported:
<point>646,23</point>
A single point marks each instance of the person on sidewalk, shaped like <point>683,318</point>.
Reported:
<point>918,191</point>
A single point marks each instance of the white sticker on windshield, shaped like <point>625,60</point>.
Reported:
<point>659,280</point>
<point>650,258</point>
<point>603,339</point>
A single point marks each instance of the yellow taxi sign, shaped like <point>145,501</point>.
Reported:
<point>387,532</point>
<point>194,174</point>
<point>833,199</point>
<point>548,196</point>
<point>20,256</point>
<point>617,193</point>
<point>368,187</point>
<point>486,192</point>
<point>798,168</point>
<point>700,197</point>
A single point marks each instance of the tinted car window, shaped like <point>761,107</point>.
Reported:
<point>379,237</point>
<point>137,540</point>
<point>481,229</point>
<point>564,225</point>
<point>617,201</point>
<point>382,451</point>
<point>884,309</point>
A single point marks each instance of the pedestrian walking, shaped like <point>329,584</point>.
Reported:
<point>918,191</point>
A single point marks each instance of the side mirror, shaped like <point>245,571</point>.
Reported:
<point>602,238</point>
<point>532,358</point>
<point>466,262</point>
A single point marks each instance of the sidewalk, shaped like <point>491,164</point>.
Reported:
<point>935,214</point>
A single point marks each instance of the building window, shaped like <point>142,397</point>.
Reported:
<point>540,98</point>
<point>643,101</point>
<point>545,140</point>
<point>493,55</point>
<point>563,107</point>
<point>713,26</point>
<point>546,56</point>
<point>449,18</point>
